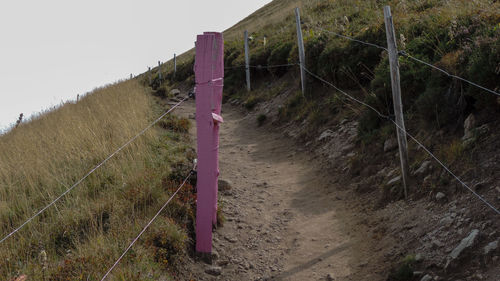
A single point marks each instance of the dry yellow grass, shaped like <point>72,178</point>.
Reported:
<point>86,230</point>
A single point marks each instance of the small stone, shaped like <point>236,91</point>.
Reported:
<point>215,255</point>
<point>427,277</point>
<point>224,185</point>
<point>466,243</point>
<point>436,243</point>
<point>394,181</point>
<point>483,130</point>
<point>418,273</point>
<point>223,263</point>
<point>446,221</point>
<point>390,144</point>
<point>492,246</point>
<point>231,239</point>
<point>329,277</point>
<point>424,168</point>
<point>214,270</point>
<point>469,124</point>
<point>326,134</point>
<point>419,257</point>
<point>440,196</point>
<point>175,92</point>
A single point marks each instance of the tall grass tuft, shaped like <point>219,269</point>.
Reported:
<point>85,231</point>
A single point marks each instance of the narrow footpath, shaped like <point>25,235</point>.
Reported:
<point>285,217</point>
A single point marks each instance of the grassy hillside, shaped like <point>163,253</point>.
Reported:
<point>82,235</point>
<point>460,36</point>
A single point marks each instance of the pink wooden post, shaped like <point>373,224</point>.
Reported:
<point>209,73</point>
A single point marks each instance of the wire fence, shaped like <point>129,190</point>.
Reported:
<point>92,171</point>
<point>261,66</point>
<point>381,115</point>
<point>409,135</point>
<point>246,67</point>
<point>148,225</point>
<point>405,54</point>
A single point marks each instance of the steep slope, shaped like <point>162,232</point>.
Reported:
<point>80,236</point>
<point>453,119</point>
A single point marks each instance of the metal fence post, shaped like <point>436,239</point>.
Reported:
<point>302,56</point>
<point>175,65</point>
<point>396,96</point>
<point>159,71</point>
<point>247,61</point>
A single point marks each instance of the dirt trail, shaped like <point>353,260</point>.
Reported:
<point>286,218</point>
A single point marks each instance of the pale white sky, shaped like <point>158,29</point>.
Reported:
<point>52,50</point>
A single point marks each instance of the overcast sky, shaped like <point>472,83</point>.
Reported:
<point>52,50</point>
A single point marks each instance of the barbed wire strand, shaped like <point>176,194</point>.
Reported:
<point>447,73</point>
<point>412,137</point>
<point>147,226</point>
<point>92,171</point>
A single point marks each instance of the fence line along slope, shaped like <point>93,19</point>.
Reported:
<point>88,228</point>
<point>452,118</point>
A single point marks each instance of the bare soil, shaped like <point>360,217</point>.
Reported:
<point>310,210</point>
<point>286,217</point>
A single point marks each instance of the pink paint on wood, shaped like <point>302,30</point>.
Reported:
<point>209,72</point>
<point>218,82</point>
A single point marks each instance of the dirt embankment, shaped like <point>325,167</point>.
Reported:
<point>300,212</point>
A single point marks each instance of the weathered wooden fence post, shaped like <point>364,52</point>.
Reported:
<point>209,73</point>
<point>302,56</point>
<point>149,75</point>
<point>159,71</point>
<point>247,62</point>
<point>175,65</point>
<point>396,96</point>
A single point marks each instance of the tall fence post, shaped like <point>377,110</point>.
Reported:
<point>247,62</point>
<point>159,71</point>
<point>302,56</point>
<point>149,74</point>
<point>396,96</point>
<point>175,65</point>
<point>209,74</point>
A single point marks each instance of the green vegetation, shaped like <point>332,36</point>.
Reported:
<point>459,36</point>
<point>405,270</point>
<point>261,119</point>
<point>84,233</point>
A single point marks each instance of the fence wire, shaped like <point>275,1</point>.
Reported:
<point>92,171</point>
<point>411,136</point>
<point>147,226</point>
<point>403,53</point>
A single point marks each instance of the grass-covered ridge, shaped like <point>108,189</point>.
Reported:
<point>460,36</point>
<point>84,233</point>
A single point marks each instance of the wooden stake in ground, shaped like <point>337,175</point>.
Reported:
<point>175,65</point>
<point>209,74</point>
<point>302,56</point>
<point>159,71</point>
<point>247,61</point>
<point>149,75</point>
<point>396,96</point>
